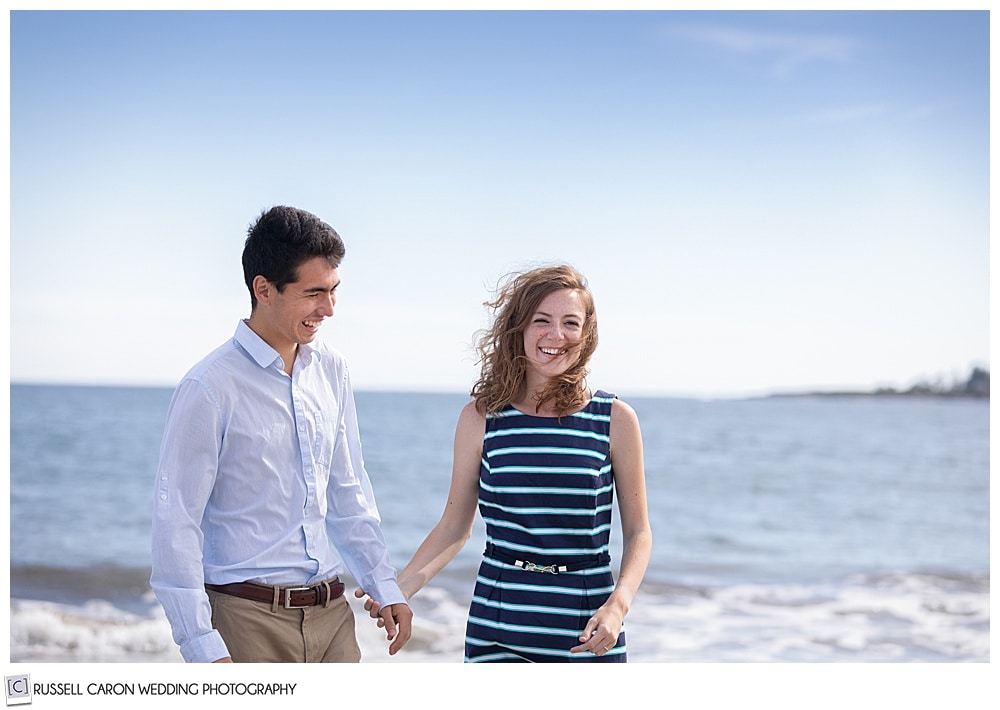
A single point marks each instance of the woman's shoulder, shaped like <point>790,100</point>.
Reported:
<point>470,409</point>
<point>611,402</point>
<point>603,402</point>
<point>622,415</point>
<point>471,416</point>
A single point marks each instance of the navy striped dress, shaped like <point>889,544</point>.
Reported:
<point>545,493</point>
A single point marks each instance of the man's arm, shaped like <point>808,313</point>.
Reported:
<point>353,523</point>
<point>184,479</point>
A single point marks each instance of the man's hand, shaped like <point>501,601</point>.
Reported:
<point>371,606</point>
<point>396,619</point>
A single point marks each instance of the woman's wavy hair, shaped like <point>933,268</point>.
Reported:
<point>501,346</point>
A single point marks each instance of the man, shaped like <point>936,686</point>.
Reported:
<point>261,480</point>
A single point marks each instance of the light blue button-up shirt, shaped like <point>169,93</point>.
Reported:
<point>261,478</point>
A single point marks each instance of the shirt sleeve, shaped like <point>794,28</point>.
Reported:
<point>185,476</point>
<point>353,522</point>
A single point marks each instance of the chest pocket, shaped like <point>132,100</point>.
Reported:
<point>325,430</point>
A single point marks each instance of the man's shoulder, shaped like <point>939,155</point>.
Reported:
<point>219,362</point>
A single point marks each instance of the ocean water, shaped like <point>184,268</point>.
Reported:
<point>790,530</point>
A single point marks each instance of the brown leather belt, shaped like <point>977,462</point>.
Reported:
<point>288,597</point>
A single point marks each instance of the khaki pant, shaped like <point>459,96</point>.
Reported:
<point>255,632</point>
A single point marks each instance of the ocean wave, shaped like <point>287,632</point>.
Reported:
<point>903,617</point>
<point>94,632</point>
<point>921,617</point>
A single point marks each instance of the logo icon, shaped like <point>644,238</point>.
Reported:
<point>18,690</point>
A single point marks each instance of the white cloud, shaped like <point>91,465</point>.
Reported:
<point>783,53</point>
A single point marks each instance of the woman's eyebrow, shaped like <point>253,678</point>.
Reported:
<point>565,315</point>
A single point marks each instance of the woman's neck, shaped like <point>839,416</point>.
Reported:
<point>528,402</point>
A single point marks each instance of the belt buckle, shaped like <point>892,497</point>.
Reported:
<point>532,567</point>
<point>288,597</point>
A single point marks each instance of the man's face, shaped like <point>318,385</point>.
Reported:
<point>294,316</point>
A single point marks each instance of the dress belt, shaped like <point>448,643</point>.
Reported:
<point>493,552</point>
<point>288,597</point>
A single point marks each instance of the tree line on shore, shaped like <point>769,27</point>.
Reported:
<point>976,385</point>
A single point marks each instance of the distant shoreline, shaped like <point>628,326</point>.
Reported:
<point>976,387</point>
<point>880,394</point>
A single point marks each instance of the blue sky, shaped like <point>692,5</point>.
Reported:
<point>762,201</point>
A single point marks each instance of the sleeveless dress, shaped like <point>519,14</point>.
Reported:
<point>545,493</point>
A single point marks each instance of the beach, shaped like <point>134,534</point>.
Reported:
<point>785,531</point>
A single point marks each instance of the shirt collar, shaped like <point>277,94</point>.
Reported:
<point>262,353</point>
<point>309,353</point>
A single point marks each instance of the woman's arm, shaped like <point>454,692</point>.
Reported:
<point>452,531</point>
<point>455,526</point>
<point>602,630</point>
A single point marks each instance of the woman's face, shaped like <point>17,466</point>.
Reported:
<point>554,332</point>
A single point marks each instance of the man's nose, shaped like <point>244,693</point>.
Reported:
<point>327,304</point>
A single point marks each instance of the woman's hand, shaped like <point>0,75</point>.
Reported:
<point>601,632</point>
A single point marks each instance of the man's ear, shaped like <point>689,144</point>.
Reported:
<point>262,288</point>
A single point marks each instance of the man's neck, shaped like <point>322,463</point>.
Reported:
<point>286,353</point>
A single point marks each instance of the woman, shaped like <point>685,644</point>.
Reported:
<point>541,456</point>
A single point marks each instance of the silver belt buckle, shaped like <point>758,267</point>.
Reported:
<point>288,597</point>
<point>532,567</point>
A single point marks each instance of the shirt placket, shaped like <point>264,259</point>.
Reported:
<point>312,516</point>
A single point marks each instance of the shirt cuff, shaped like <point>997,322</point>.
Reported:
<point>206,648</point>
<point>386,592</point>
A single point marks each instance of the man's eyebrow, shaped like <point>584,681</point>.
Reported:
<point>320,289</point>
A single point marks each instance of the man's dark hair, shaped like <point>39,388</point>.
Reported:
<point>281,240</point>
